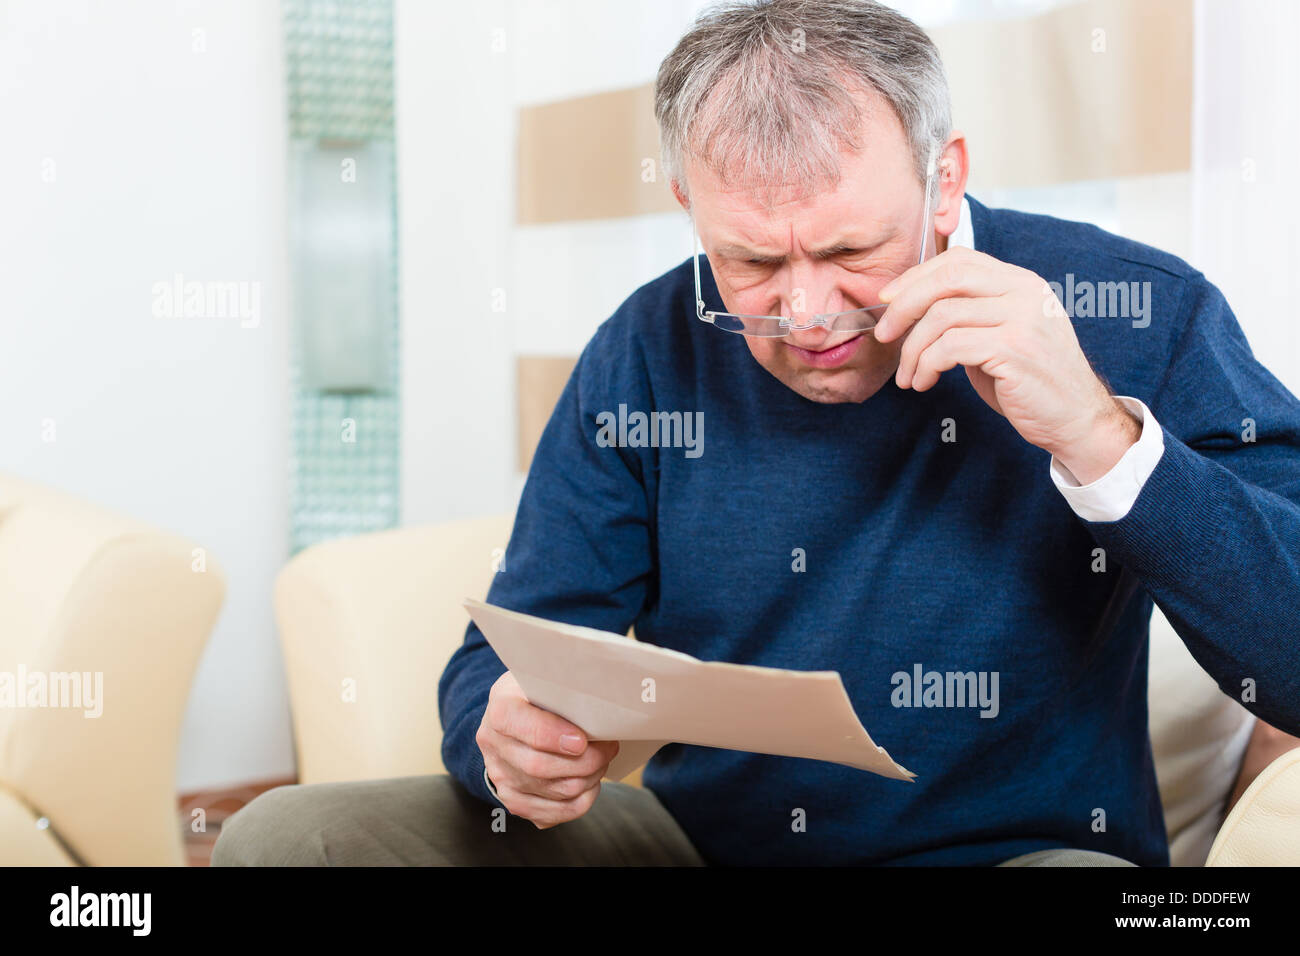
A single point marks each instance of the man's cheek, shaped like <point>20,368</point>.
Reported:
<point>883,354</point>
<point>764,350</point>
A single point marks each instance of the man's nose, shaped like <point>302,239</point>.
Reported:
<point>809,338</point>
<point>810,291</point>
<point>804,303</point>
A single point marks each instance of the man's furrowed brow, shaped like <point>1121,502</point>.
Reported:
<point>732,250</point>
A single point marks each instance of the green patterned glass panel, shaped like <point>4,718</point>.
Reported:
<point>344,463</point>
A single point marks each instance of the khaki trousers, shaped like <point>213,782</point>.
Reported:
<point>433,821</point>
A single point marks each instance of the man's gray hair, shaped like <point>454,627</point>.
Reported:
<point>764,89</point>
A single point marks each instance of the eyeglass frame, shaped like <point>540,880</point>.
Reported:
<point>826,319</point>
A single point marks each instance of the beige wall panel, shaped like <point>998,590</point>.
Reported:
<point>1039,106</point>
<point>584,158</point>
<point>539,382</point>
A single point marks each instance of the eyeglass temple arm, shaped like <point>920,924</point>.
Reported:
<point>695,260</point>
<point>929,194</point>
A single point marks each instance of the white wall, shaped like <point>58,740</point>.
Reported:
<point>165,160</point>
<point>456,126</point>
<point>1246,134</point>
<point>455,186</point>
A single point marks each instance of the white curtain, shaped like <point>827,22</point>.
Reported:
<point>1246,141</point>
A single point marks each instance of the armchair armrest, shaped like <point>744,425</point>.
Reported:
<point>1263,828</point>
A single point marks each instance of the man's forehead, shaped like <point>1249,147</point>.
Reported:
<point>748,223</point>
<point>853,235</point>
<point>867,183</point>
<point>767,191</point>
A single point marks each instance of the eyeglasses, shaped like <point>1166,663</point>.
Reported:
<point>776,326</point>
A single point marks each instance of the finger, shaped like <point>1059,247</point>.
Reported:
<point>921,269</point>
<point>544,813</point>
<point>959,346</point>
<point>561,789</point>
<point>538,729</point>
<point>938,319</point>
<point>522,773</point>
<point>528,761</point>
<point>964,276</point>
<point>510,780</point>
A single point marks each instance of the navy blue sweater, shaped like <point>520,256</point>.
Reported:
<point>957,556</point>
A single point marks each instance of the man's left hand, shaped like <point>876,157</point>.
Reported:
<point>1018,346</point>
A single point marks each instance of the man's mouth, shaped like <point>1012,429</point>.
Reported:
<point>828,358</point>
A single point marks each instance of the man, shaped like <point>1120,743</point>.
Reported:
<point>862,505</point>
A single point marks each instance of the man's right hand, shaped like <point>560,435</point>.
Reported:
<point>543,767</point>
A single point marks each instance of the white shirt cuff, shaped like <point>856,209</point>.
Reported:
<point>491,789</point>
<point>1113,495</point>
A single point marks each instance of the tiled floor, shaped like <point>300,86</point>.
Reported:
<point>202,813</point>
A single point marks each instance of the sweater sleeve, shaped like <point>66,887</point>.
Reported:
<point>1214,535</point>
<point>579,551</point>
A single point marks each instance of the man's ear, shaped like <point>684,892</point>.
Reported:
<point>679,195</point>
<point>953,170</point>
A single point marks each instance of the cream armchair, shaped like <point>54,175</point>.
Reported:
<point>84,591</point>
<point>369,623</point>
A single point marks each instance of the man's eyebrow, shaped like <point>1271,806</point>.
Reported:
<point>845,245</point>
<point>733,250</point>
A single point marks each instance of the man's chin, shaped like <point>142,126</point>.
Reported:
<point>855,381</point>
<point>834,386</point>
